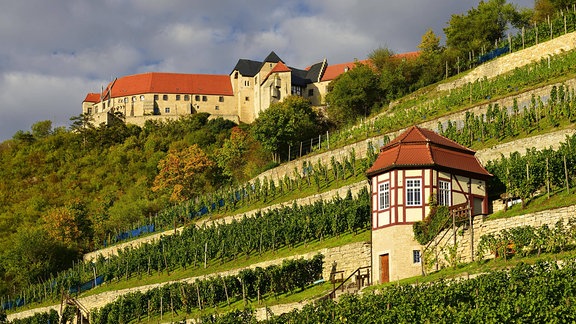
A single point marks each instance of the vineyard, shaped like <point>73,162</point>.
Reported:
<point>476,129</point>
<point>249,284</point>
<point>200,247</point>
<point>539,293</point>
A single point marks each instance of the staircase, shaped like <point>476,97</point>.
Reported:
<point>357,280</point>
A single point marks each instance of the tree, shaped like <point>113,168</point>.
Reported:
<point>546,8</point>
<point>82,124</point>
<point>285,123</point>
<point>430,59</point>
<point>183,173</point>
<point>481,27</point>
<point>69,226</point>
<point>353,94</point>
<point>32,256</point>
<point>42,129</point>
<point>231,157</point>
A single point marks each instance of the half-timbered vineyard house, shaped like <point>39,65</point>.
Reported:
<point>414,167</point>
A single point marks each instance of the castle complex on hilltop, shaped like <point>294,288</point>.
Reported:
<point>240,96</point>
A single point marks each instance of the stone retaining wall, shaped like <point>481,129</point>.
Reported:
<point>514,60</point>
<point>348,258</point>
<point>485,226</point>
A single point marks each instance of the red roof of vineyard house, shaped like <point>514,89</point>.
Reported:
<point>419,147</point>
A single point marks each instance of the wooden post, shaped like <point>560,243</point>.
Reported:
<point>225,291</point>
<point>198,294</point>
<point>471,234</point>
<point>566,173</point>
<point>300,149</point>
<point>328,140</point>
<point>205,255</point>
<point>523,43</point>
<point>547,181</point>
<point>458,65</point>
<point>454,226</point>
<point>289,146</point>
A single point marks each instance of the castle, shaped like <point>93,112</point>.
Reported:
<point>241,96</point>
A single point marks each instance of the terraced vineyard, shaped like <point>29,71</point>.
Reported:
<point>297,225</point>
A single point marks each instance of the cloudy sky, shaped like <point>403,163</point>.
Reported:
<point>54,52</point>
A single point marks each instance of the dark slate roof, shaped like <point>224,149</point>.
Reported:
<point>247,67</point>
<point>299,77</point>
<point>272,57</point>
<point>315,72</point>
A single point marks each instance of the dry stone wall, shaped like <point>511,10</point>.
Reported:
<point>347,257</point>
<point>514,60</point>
<point>326,196</point>
<point>485,226</point>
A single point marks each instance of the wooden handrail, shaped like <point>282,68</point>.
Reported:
<point>332,294</point>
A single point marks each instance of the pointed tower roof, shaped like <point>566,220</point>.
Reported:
<point>273,58</point>
<point>419,147</point>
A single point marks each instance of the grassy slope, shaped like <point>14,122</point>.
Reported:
<point>540,203</point>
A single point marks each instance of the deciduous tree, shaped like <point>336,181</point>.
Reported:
<point>184,173</point>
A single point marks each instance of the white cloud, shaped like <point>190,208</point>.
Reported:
<point>52,51</point>
<point>33,97</point>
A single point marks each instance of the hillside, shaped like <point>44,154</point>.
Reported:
<point>359,149</point>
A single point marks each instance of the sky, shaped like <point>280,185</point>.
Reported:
<point>52,53</point>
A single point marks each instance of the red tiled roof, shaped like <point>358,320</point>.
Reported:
<point>419,147</point>
<point>407,55</point>
<point>333,71</point>
<point>278,68</point>
<point>92,97</point>
<point>159,82</point>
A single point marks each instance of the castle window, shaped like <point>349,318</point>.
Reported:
<point>165,97</point>
<point>217,108</point>
<point>177,97</point>
<point>186,98</point>
<point>142,97</point>
<point>167,110</point>
<point>125,99</point>
<point>310,92</point>
<point>89,110</point>
<point>246,98</point>
<point>235,75</point>
<point>204,98</point>
<point>134,99</point>
<point>416,257</point>
<point>197,98</point>
<point>384,196</point>
<point>246,83</point>
<point>155,97</point>
<point>221,99</point>
<point>413,192</point>
<point>444,193</point>
<point>296,90</point>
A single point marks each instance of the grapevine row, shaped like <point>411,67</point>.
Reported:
<point>248,284</point>
<point>202,246</point>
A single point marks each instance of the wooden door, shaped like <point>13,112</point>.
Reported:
<point>384,269</point>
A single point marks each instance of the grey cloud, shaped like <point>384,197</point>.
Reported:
<point>54,52</point>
